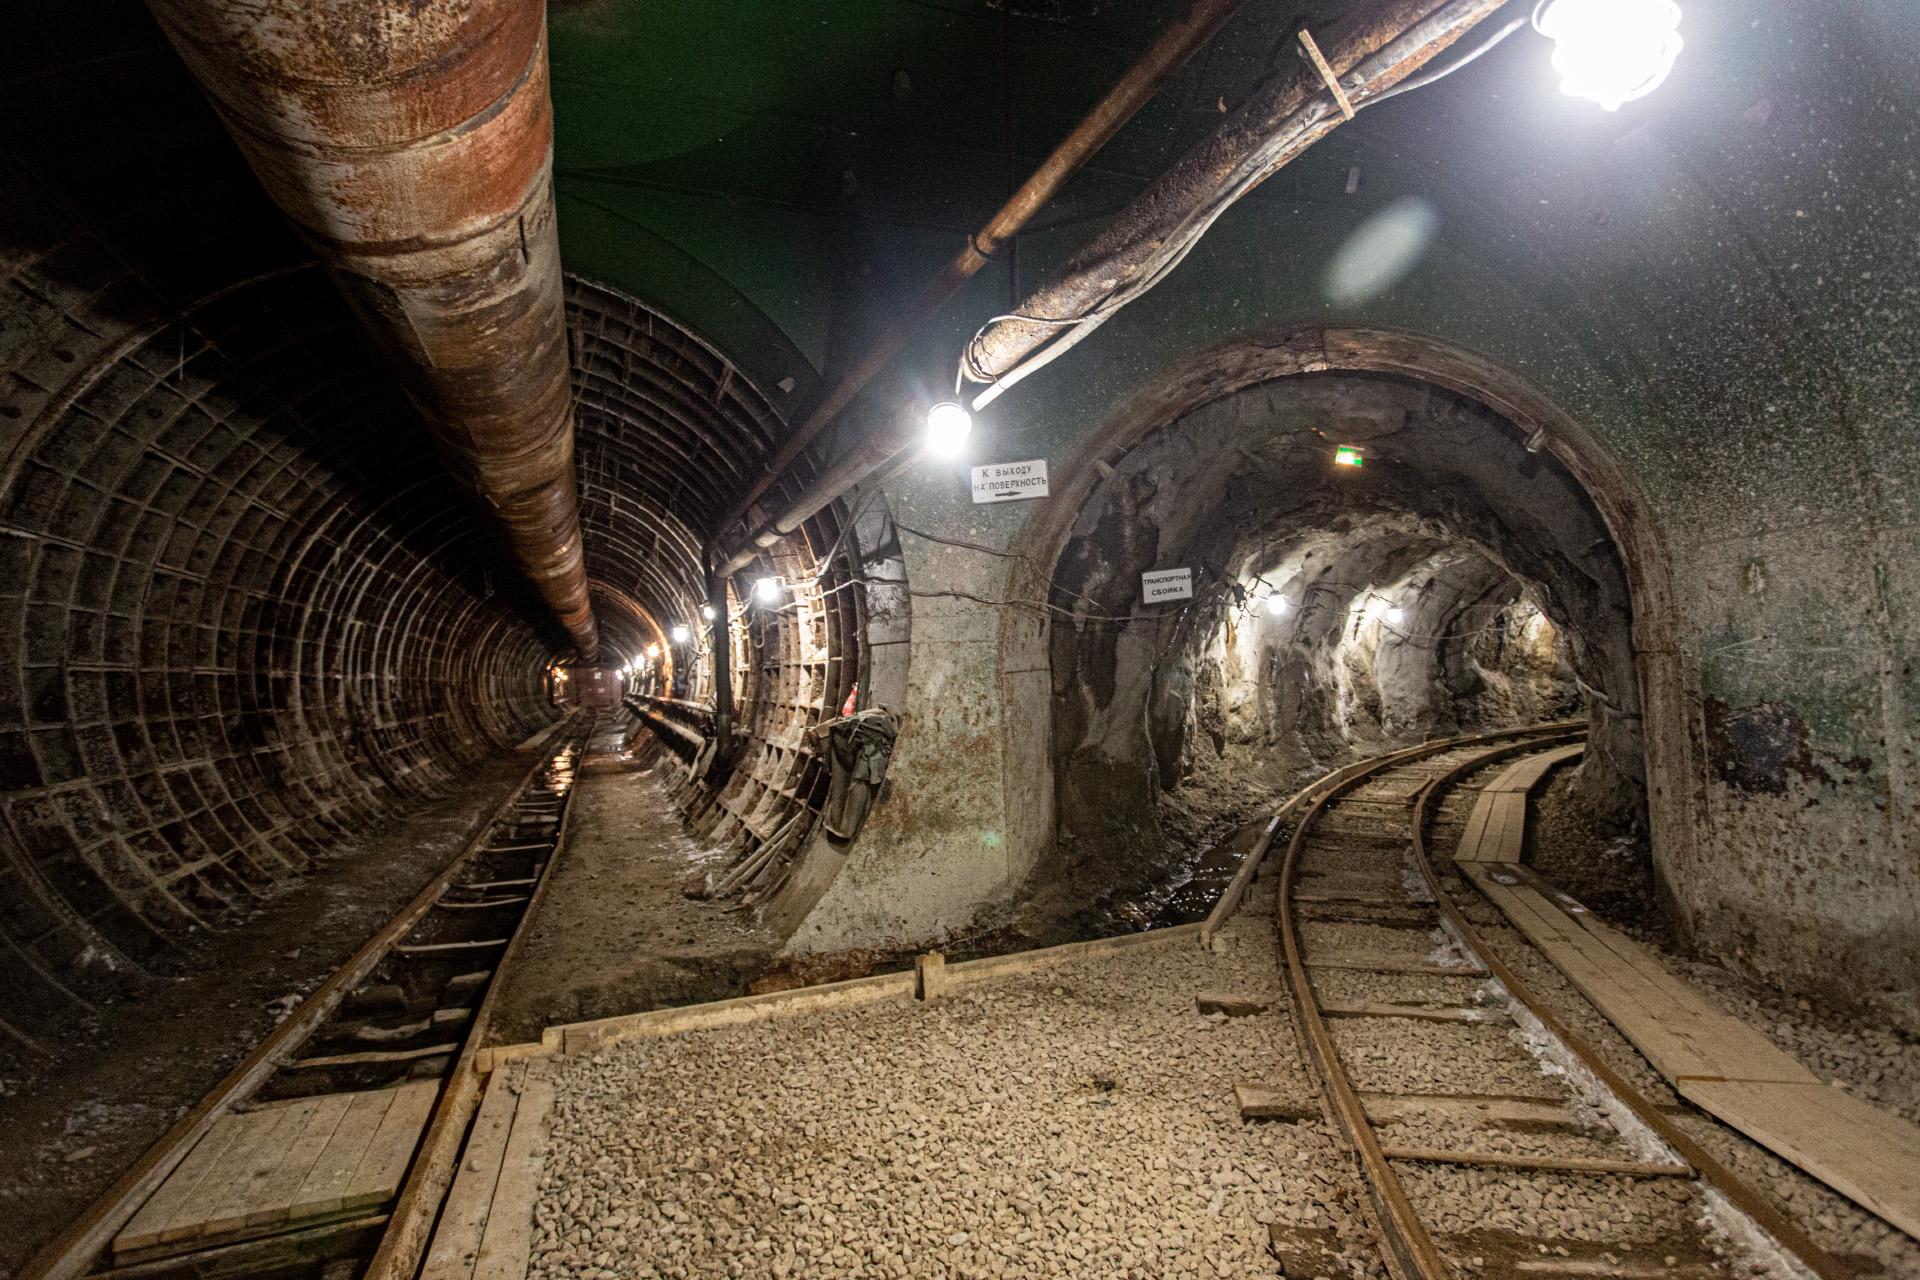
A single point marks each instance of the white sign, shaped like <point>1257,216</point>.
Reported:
<point>1163,585</point>
<point>1009,481</point>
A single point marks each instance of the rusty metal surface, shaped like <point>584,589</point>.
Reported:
<point>1371,51</point>
<point>1168,53</point>
<point>410,142</point>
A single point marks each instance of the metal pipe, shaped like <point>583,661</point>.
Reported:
<point>412,145</point>
<point>1371,52</point>
<point>1166,55</point>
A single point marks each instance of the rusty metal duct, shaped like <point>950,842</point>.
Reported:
<point>411,142</point>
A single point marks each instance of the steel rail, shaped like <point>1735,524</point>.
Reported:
<point>404,1243</point>
<point>1413,1252</point>
<point>1710,1170</point>
<point>71,1253</point>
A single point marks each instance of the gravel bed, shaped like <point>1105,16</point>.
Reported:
<point>1450,1133</point>
<point>1343,935</point>
<point>1607,1210</point>
<point>1356,986</point>
<point>1404,1056</point>
<point>1076,1122</point>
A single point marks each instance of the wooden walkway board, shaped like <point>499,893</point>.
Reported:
<point>1715,1060</point>
<point>1496,829</point>
<point>284,1164</point>
<point>486,1229</point>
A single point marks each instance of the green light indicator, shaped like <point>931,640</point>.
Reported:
<point>1349,455</point>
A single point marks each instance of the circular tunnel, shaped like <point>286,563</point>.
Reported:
<point>253,614</point>
<point>1376,561</point>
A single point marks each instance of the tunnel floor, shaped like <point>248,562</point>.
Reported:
<point>1082,1120</point>
<point>617,931</point>
<point>74,1124</point>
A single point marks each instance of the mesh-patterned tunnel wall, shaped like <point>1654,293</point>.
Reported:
<point>242,609</point>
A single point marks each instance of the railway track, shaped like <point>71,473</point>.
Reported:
<point>326,1151</point>
<point>1359,903</point>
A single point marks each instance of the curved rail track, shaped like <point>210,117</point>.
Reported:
<point>327,1150</point>
<point>1359,856</point>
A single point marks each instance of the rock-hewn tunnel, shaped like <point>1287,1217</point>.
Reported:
<point>475,571</point>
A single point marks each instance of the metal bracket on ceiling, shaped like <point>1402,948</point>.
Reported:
<point>1332,81</point>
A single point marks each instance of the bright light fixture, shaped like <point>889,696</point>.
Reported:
<point>948,425</point>
<point>1394,614</point>
<point>1277,605</point>
<point>681,635</point>
<point>768,590</point>
<point>1349,455</point>
<point>706,611</point>
<point>1611,51</point>
<point>653,651</point>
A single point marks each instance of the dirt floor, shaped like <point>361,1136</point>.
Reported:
<point>73,1124</point>
<point>617,932</point>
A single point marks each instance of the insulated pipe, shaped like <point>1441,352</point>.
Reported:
<point>1366,54</point>
<point>411,144</point>
<point>1143,79</point>
<point>1370,52</point>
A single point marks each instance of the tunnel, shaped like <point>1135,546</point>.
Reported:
<point>958,638</point>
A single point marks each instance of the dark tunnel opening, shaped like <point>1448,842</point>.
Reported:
<point>1452,582</point>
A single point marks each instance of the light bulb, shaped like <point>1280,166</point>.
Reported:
<point>681,635</point>
<point>948,425</point>
<point>653,651</point>
<point>706,611</point>
<point>1611,51</point>
<point>1277,605</point>
<point>767,591</point>
<point>1394,614</point>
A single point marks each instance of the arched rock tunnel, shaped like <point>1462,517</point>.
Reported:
<point>1632,394</point>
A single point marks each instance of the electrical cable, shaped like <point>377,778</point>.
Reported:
<point>1178,244</point>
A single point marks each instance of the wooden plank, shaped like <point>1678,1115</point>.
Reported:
<point>1375,962</point>
<point>1540,1164</point>
<point>1418,1012</point>
<point>371,1057</point>
<point>1524,774</point>
<point>1718,1062</point>
<point>377,1177</point>
<point>1499,1112</point>
<point>180,1188</point>
<point>274,1202</point>
<point>73,1252</point>
<point>1232,1006</point>
<point>282,1253</point>
<point>1677,1030</point>
<point>232,1192</point>
<point>1264,1102</point>
<point>324,1190</point>
<point>1867,1154</point>
<point>508,1241</point>
<point>463,1222</point>
<point>449,948</point>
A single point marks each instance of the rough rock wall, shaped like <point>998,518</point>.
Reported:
<point>1418,596</point>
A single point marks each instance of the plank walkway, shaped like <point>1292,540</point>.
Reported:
<point>1713,1059</point>
<point>316,1158</point>
<point>1498,824</point>
<point>486,1228</point>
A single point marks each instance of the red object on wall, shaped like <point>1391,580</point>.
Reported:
<point>853,698</point>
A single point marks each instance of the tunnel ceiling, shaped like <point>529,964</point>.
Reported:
<point>668,431</point>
